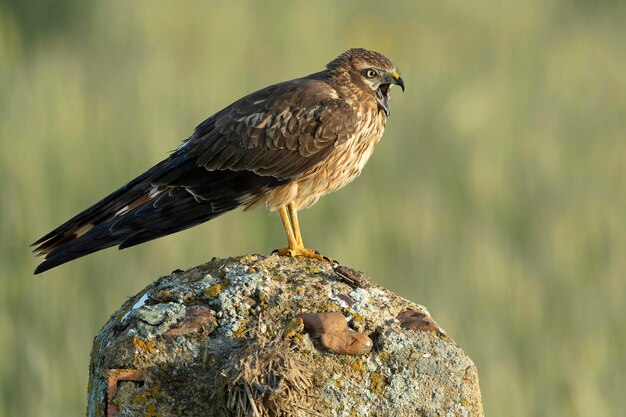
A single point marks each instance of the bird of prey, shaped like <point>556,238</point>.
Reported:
<point>283,146</point>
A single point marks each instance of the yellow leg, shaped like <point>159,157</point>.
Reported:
<point>293,214</point>
<point>284,217</point>
<point>294,239</point>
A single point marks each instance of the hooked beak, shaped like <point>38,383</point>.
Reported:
<point>398,80</point>
<point>382,93</point>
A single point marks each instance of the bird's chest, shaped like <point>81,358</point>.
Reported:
<point>347,161</point>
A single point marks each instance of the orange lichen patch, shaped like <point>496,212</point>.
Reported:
<point>113,378</point>
<point>143,345</point>
<point>332,331</point>
<point>414,320</point>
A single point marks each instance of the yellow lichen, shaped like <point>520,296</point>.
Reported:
<point>264,300</point>
<point>155,391</point>
<point>139,399</point>
<point>240,333</point>
<point>329,306</point>
<point>143,345</point>
<point>357,366</point>
<point>313,269</point>
<point>214,290</point>
<point>294,327</point>
<point>357,319</point>
<point>151,411</point>
<point>377,383</point>
<point>149,399</point>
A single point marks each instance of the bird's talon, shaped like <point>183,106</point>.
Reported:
<point>332,261</point>
<point>284,252</point>
<point>304,253</point>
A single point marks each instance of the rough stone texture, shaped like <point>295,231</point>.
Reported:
<point>229,338</point>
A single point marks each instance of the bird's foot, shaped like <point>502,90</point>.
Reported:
<point>304,253</point>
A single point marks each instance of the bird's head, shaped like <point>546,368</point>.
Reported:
<point>370,70</point>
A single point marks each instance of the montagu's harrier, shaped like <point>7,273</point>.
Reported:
<point>284,146</point>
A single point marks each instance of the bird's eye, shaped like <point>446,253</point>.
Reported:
<point>371,73</point>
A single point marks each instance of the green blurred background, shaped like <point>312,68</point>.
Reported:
<point>497,197</point>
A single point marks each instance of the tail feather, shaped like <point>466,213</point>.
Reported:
<point>97,239</point>
<point>172,196</point>
<point>97,212</point>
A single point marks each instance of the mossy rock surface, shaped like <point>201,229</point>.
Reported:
<point>226,339</point>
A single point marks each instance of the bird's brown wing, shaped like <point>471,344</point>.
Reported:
<point>281,131</point>
<point>259,142</point>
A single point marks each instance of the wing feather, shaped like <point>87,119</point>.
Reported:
<point>296,125</point>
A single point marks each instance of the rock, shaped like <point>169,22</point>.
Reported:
<point>333,333</point>
<point>276,336</point>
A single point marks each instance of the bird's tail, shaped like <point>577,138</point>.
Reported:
<point>172,196</point>
<point>88,231</point>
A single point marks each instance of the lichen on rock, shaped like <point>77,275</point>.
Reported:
<point>276,336</point>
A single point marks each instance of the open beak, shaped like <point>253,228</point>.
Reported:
<point>382,92</point>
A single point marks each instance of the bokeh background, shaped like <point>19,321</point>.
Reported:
<point>497,197</point>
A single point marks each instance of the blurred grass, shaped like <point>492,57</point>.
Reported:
<point>497,197</point>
